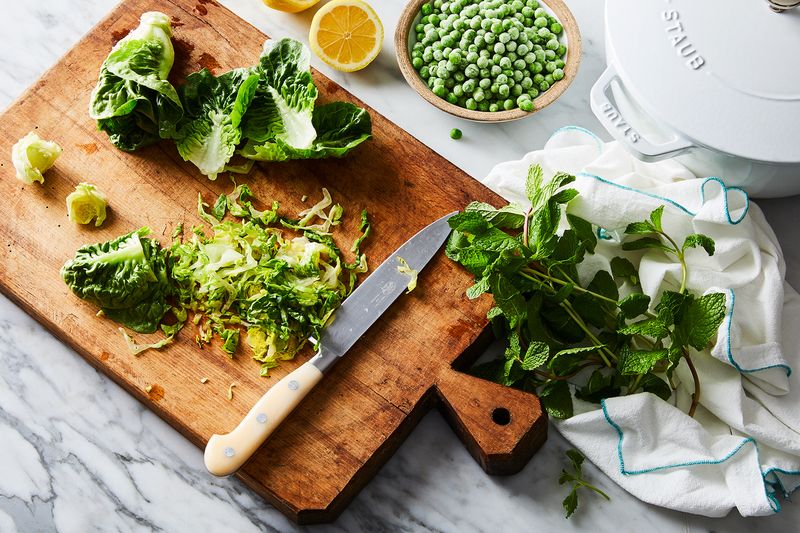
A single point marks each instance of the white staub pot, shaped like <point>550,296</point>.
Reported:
<point>715,83</point>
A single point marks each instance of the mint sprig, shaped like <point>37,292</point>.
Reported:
<point>575,477</point>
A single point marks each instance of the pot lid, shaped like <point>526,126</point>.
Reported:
<point>723,73</point>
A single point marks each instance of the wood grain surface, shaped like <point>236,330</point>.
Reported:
<point>360,413</point>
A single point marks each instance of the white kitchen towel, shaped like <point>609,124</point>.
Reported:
<point>742,449</point>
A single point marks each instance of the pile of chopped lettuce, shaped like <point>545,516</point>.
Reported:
<point>280,279</point>
<point>265,112</point>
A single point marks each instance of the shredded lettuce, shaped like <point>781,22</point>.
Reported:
<point>412,274</point>
<point>32,156</point>
<point>282,288</point>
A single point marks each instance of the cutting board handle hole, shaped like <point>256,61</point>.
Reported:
<point>501,416</point>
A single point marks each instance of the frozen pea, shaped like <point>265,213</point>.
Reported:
<point>516,90</point>
<point>520,64</point>
<point>511,46</point>
<point>561,50</point>
<point>472,71</point>
<point>556,28</point>
<point>440,91</point>
<point>452,98</point>
<point>483,106</point>
<point>504,90</point>
<point>538,78</point>
<point>499,48</point>
<point>504,38</point>
<point>549,55</point>
<point>558,74</point>
<point>550,66</point>
<point>471,104</point>
<point>552,44</point>
<point>493,108</point>
<point>485,83</point>
<point>544,86</point>
<point>540,22</point>
<point>560,63</point>
<point>417,63</point>
<point>508,104</point>
<point>505,63</point>
<point>483,62</point>
<point>424,72</point>
<point>459,76</point>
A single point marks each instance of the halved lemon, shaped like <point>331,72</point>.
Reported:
<point>346,34</point>
<point>290,6</point>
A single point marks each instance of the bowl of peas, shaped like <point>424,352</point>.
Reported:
<point>488,60</point>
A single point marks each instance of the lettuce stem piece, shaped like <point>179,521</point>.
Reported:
<point>32,156</point>
<point>85,203</point>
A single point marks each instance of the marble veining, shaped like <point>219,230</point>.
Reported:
<point>77,454</point>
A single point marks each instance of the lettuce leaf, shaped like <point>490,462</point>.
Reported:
<point>133,101</point>
<point>340,127</point>
<point>126,277</point>
<point>283,107</point>
<point>214,106</point>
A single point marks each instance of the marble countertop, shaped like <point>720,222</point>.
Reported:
<point>77,453</point>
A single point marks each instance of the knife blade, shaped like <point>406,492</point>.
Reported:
<point>225,454</point>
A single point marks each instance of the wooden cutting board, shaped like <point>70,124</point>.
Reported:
<point>360,413</point>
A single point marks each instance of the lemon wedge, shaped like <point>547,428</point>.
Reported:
<point>290,6</point>
<point>346,34</point>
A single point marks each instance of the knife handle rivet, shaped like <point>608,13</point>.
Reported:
<point>261,418</point>
<point>294,385</point>
<point>229,452</point>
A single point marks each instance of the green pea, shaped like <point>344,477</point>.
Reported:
<point>426,9</point>
<point>530,58</point>
<point>452,98</point>
<point>479,95</point>
<point>540,12</point>
<point>558,74</point>
<point>552,44</point>
<point>526,105</point>
<point>520,64</point>
<point>511,46</point>
<point>504,38</point>
<point>455,134</point>
<point>417,63</point>
<point>440,91</point>
<point>472,57</point>
<point>560,63</point>
<point>550,66</point>
<point>544,86</point>
<point>501,79</point>
<point>494,108</point>
<point>516,90</point>
<point>533,92</point>
<point>483,106</point>
<point>504,90</point>
<point>485,83</point>
<point>459,76</point>
<point>544,33</point>
<point>485,73</point>
<point>505,63</point>
<point>458,90</point>
<point>472,71</point>
<point>518,76</point>
<point>449,83</point>
<point>561,50</point>
<point>549,55</point>
<point>537,68</point>
<point>471,104</point>
<point>455,58</point>
<point>537,79</point>
<point>494,89</point>
<point>424,72</point>
<point>526,83</point>
<point>540,22</point>
<point>468,86</point>
<point>483,62</point>
<point>556,28</point>
<point>527,12</point>
<point>523,49</point>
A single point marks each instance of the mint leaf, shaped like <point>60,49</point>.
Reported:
<point>698,239</point>
<point>656,385</point>
<point>468,222</point>
<point>533,184</point>
<point>556,399</point>
<point>634,304</point>
<point>634,362</point>
<point>474,260</point>
<point>701,320</point>
<point>576,458</point>
<point>510,216</point>
<point>570,503</point>
<point>455,243</point>
<point>513,350</point>
<point>508,298</point>
<point>655,217</point>
<point>494,312</point>
<point>592,309</point>
<point>563,293</point>
<point>480,286</point>
<point>651,327</point>
<point>584,231</point>
<point>598,388</point>
<point>512,372</point>
<point>495,240</point>
<point>646,242</point>
<point>672,306</point>
<point>536,355</point>
<point>640,228</point>
<point>564,196</point>
<point>624,269</point>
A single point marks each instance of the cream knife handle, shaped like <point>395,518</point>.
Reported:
<point>226,453</point>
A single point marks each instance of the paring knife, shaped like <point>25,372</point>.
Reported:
<point>225,454</point>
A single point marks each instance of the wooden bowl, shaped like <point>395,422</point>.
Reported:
<point>405,37</point>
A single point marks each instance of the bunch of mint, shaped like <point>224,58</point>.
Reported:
<point>561,332</point>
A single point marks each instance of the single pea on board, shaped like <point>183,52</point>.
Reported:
<point>456,134</point>
<point>488,55</point>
